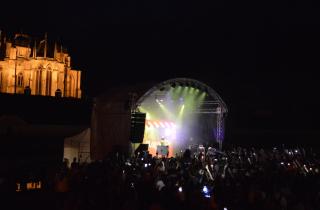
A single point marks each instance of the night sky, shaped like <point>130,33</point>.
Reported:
<point>261,57</point>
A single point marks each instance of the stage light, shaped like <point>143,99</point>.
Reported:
<point>203,89</point>
<point>178,90</point>
<point>192,85</point>
<point>179,84</point>
<point>191,90</point>
<point>180,189</point>
<point>202,96</point>
<point>168,132</point>
<point>184,91</point>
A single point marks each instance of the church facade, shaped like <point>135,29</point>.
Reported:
<point>37,69</point>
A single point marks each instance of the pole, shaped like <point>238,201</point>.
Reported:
<point>219,128</point>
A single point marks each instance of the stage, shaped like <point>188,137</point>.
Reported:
<point>179,113</point>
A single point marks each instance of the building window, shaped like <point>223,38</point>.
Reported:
<point>20,80</point>
<point>48,82</point>
<point>38,81</point>
<point>70,85</point>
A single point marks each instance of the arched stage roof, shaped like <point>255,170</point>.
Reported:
<point>163,86</point>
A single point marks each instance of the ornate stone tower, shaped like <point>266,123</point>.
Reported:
<point>36,69</point>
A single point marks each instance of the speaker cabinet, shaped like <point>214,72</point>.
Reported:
<point>138,121</point>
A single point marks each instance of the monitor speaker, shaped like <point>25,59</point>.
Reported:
<point>142,148</point>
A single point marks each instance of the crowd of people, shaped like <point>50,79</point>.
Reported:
<point>234,179</point>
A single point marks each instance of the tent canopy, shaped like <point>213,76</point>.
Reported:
<point>78,146</point>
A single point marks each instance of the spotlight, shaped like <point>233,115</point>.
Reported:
<point>201,88</point>
<point>179,84</point>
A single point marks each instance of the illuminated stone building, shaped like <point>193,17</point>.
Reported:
<point>35,67</point>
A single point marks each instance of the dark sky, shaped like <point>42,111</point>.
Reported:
<point>261,57</point>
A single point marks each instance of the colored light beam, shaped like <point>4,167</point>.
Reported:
<point>181,113</point>
<point>166,111</point>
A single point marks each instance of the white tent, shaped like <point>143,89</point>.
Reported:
<point>78,146</point>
